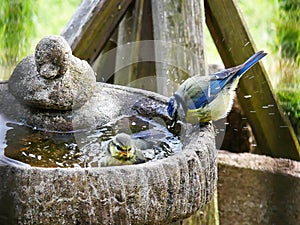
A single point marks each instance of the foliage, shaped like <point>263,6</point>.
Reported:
<point>16,29</point>
<point>288,44</point>
<point>288,29</point>
<point>260,21</point>
<point>19,22</point>
<point>53,16</point>
<point>290,102</point>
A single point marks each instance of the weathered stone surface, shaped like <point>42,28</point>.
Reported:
<point>156,192</point>
<point>255,189</point>
<point>52,57</point>
<point>107,103</point>
<point>53,78</point>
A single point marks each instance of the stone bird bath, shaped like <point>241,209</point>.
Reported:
<point>156,192</point>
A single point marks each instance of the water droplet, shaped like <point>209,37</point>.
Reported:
<point>31,155</point>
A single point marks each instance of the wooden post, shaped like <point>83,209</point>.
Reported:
<point>135,65</point>
<point>178,26</point>
<point>273,132</point>
<point>104,64</point>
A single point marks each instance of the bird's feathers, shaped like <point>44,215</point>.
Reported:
<point>123,150</point>
<point>199,91</point>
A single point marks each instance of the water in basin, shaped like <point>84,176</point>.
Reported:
<point>23,144</point>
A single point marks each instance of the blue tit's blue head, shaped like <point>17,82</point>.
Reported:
<point>172,107</point>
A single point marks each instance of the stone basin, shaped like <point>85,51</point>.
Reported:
<point>156,192</point>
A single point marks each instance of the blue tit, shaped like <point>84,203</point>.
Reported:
<point>123,150</point>
<point>206,98</point>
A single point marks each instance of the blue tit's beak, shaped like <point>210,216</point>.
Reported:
<point>172,107</point>
<point>126,152</point>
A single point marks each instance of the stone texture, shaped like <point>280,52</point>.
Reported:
<point>53,78</point>
<point>108,102</point>
<point>255,189</point>
<point>157,192</point>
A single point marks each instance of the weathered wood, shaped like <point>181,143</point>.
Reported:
<point>92,25</point>
<point>135,65</point>
<point>104,64</point>
<point>272,130</point>
<point>178,25</point>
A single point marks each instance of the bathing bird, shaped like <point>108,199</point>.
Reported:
<point>205,98</point>
<point>122,149</point>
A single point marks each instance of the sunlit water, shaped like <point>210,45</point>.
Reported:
<point>24,145</point>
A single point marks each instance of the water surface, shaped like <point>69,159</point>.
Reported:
<point>22,144</point>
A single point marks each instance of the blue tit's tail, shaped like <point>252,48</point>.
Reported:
<point>250,62</point>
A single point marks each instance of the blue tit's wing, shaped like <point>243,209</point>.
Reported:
<point>227,73</point>
<point>217,82</point>
<point>199,91</point>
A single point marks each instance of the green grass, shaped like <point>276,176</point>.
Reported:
<point>41,18</point>
<point>290,102</point>
<point>16,29</point>
<point>52,17</point>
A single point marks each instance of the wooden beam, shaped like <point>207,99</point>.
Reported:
<point>92,25</point>
<point>104,64</point>
<point>136,28</point>
<point>273,132</point>
<point>178,27</point>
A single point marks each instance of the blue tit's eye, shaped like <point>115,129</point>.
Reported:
<point>119,148</point>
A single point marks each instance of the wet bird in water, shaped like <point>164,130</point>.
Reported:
<point>123,150</point>
<point>206,98</point>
